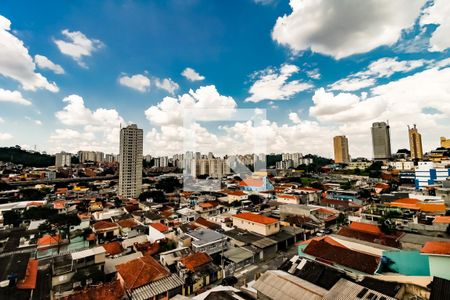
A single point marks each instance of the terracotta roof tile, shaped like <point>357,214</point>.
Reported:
<point>442,219</point>
<point>127,223</point>
<point>29,282</point>
<point>106,291</point>
<point>256,218</point>
<point>323,250</point>
<point>48,240</point>
<point>104,225</point>
<point>195,260</point>
<point>113,248</point>
<point>141,271</point>
<point>160,227</point>
<point>365,227</point>
<point>436,247</point>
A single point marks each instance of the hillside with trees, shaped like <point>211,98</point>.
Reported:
<point>17,155</point>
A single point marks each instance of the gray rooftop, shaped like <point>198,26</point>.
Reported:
<point>204,236</point>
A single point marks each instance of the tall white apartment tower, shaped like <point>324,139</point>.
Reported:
<point>130,161</point>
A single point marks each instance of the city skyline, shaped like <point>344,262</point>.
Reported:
<point>63,86</point>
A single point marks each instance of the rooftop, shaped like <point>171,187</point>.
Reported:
<point>193,261</point>
<point>256,218</point>
<point>365,227</point>
<point>141,271</point>
<point>436,247</point>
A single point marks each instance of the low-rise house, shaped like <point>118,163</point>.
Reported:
<point>439,258</point>
<point>232,196</point>
<point>288,198</point>
<point>256,223</point>
<point>105,230</point>
<point>207,240</point>
<point>145,278</point>
<point>170,258</point>
<point>197,270</point>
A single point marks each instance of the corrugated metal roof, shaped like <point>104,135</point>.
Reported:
<point>281,285</point>
<point>264,243</point>
<point>237,255</point>
<point>347,290</point>
<point>156,288</point>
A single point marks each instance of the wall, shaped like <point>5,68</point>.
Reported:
<point>256,227</point>
<point>439,266</point>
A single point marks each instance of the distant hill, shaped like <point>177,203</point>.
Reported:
<point>19,156</point>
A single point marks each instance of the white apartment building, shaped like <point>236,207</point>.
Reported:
<point>130,161</point>
<point>63,159</point>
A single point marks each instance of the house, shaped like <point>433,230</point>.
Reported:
<point>170,258</point>
<point>256,223</point>
<point>232,196</point>
<point>438,253</point>
<point>145,278</point>
<point>65,266</point>
<point>108,290</point>
<point>197,270</point>
<point>275,284</point>
<point>369,233</point>
<point>207,240</point>
<point>105,230</point>
<point>350,260</point>
<point>288,199</point>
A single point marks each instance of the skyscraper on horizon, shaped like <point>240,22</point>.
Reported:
<point>381,141</point>
<point>415,143</point>
<point>130,161</point>
<point>341,155</point>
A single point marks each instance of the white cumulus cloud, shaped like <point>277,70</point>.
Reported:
<point>192,75</point>
<point>166,84</point>
<point>16,63</point>
<point>77,45</point>
<point>45,63</point>
<point>341,28</point>
<point>274,84</point>
<point>138,82</point>
<point>5,136</point>
<point>13,97</point>
<point>438,14</point>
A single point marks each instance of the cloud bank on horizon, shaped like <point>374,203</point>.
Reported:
<point>336,67</point>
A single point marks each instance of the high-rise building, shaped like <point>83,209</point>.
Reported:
<point>415,143</point>
<point>381,141</point>
<point>130,161</point>
<point>341,155</point>
<point>63,159</point>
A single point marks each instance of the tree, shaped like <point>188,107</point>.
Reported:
<point>341,219</point>
<point>32,194</point>
<point>64,221</point>
<point>11,217</point>
<point>38,213</point>
<point>256,199</point>
<point>168,184</point>
<point>156,196</point>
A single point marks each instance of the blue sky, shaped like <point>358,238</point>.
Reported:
<point>71,72</point>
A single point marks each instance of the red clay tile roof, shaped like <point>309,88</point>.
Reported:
<point>434,247</point>
<point>29,282</point>
<point>208,204</point>
<point>287,196</point>
<point>365,227</point>
<point>106,291</point>
<point>256,218</point>
<point>382,239</point>
<point>104,225</point>
<point>323,250</point>
<point>160,227</point>
<point>235,193</point>
<point>113,248</point>
<point>406,201</point>
<point>442,219</point>
<point>325,238</point>
<point>211,225</point>
<point>128,223</point>
<point>34,203</point>
<point>251,182</point>
<point>141,271</point>
<point>59,204</point>
<point>48,240</point>
<point>195,260</point>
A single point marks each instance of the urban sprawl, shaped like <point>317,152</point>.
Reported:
<point>91,225</point>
